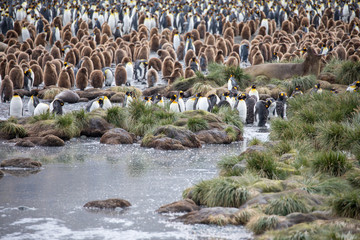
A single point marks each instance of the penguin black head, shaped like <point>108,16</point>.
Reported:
<point>198,95</point>
<point>146,98</point>
<point>101,102</point>
<point>317,86</point>
<point>282,95</point>
<point>58,104</point>
<point>297,88</point>
<point>181,94</point>
<point>357,83</point>
<point>173,98</point>
<point>226,94</point>
<point>333,90</point>
<point>128,93</point>
<point>253,86</point>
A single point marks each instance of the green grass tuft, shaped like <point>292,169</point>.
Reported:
<point>117,116</point>
<point>41,117</point>
<point>13,130</point>
<point>305,83</point>
<point>285,205</point>
<point>226,165</point>
<point>66,124</point>
<point>231,117</point>
<point>348,73</point>
<point>263,223</point>
<point>81,118</point>
<point>347,205</point>
<point>255,141</point>
<point>354,178</point>
<point>196,124</point>
<point>332,163</point>
<point>263,164</point>
<point>327,186</point>
<point>282,148</point>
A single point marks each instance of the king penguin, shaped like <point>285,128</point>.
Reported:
<point>296,92</point>
<point>241,107</point>
<point>128,99</point>
<point>95,104</point>
<point>16,106</point>
<point>56,106</point>
<point>201,102</point>
<point>32,104</point>
<point>261,113</point>
<point>281,105</point>
<point>354,87</point>
<point>129,73</point>
<point>106,103</point>
<point>109,76</point>
<point>174,106</point>
<point>254,92</point>
<point>41,108</point>
<point>316,89</point>
<point>159,100</point>
<point>181,101</point>
<point>272,108</point>
<point>232,83</point>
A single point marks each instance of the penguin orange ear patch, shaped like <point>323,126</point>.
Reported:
<point>62,104</point>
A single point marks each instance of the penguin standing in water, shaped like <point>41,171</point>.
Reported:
<point>32,104</point>
<point>181,101</point>
<point>106,103</point>
<point>28,79</point>
<point>159,100</point>
<point>261,113</point>
<point>316,89</point>
<point>41,108</point>
<point>95,104</point>
<point>141,70</point>
<point>241,107</point>
<point>296,92</point>
<point>354,87</point>
<point>250,106</point>
<point>281,105</point>
<point>109,76</point>
<point>16,106</point>
<point>129,73</point>
<point>128,99</point>
<point>272,108</point>
<point>201,103</point>
<point>232,83</point>
<point>174,106</point>
<point>254,92</point>
<point>56,106</point>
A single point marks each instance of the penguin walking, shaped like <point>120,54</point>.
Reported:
<point>181,101</point>
<point>354,87</point>
<point>32,104</point>
<point>129,73</point>
<point>56,106</point>
<point>201,102</point>
<point>254,92</point>
<point>159,101</point>
<point>95,104</point>
<point>250,106</point>
<point>281,105</point>
<point>16,106</point>
<point>174,106</point>
<point>109,76</point>
<point>296,92</point>
<point>41,108</point>
<point>232,83</point>
<point>316,89</point>
<point>261,113</point>
<point>241,107</point>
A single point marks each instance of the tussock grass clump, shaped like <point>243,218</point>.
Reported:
<point>196,124</point>
<point>255,141</point>
<point>354,178</point>
<point>231,133</point>
<point>124,89</point>
<point>81,118</point>
<point>261,224</point>
<point>347,205</point>
<point>117,116</point>
<point>349,72</point>
<point>238,73</point>
<point>332,163</point>
<point>325,186</point>
<point>333,66</point>
<point>66,124</point>
<point>305,82</point>
<point>243,216</point>
<point>285,205</point>
<point>282,148</point>
<point>13,130</point>
<point>44,116</point>
<point>286,130</point>
<point>231,117</point>
<point>263,164</point>
<point>203,88</point>
<point>331,135</point>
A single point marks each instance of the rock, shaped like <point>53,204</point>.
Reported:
<point>20,163</point>
<point>155,90</point>
<point>23,92</point>
<point>210,216</point>
<point>1,174</point>
<point>186,137</point>
<point>329,77</point>
<point>118,98</point>
<point>96,127</point>
<point>287,158</point>
<point>68,96</point>
<point>163,143</point>
<point>296,218</point>
<point>51,141</point>
<point>24,143</point>
<point>108,204</point>
<point>117,136</point>
<point>214,136</point>
<point>253,149</point>
<point>240,166</point>
<point>93,93</point>
<point>22,172</point>
<point>83,100</point>
<point>324,84</point>
<point>186,205</point>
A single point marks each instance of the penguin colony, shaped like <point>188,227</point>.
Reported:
<point>80,44</point>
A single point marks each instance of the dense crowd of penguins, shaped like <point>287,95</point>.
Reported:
<point>77,44</point>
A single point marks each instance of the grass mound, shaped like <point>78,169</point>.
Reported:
<point>230,117</point>
<point>67,125</point>
<point>332,163</point>
<point>117,116</point>
<point>305,83</point>
<point>347,205</point>
<point>262,223</point>
<point>196,124</point>
<point>81,118</point>
<point>285,205</point>
<point>12,129</point>
<point>348,73</point>
<point>263,164</point>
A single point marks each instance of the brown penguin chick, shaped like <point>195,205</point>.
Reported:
<point>101,57</point>
<point>6,89</point>
<point>189,72</point>
<point>221,45</point>
<point>219,57</point>
<point>17,27</point>
<point>155,63</point>
<point>210,54</point>
<point>125,60</point>
<point>50,74</point>
<point>16,75</point>
<point>163,54</point>
<point>167,66</point>
<point>97,79</point>
<point>152,77</point>
<point>262,31</point>
<point>71,74</point>
<point>66,36</point>
<point>341,52</point>
<point>210,40</point>
<point>96,62</point>
<point>174,75</point>
<point>180,51</point>
<point>189,55</point>
<point>23,56</point>
<point>198,44</point>
<point>229,34</point>
<point>195,34</point>
<point>354,58</point>
<point>58,65</point>
<point>201,29</point>
<point>119,55</point>
<point>64,80</point>
<point>154,43</point>
<point>154,31</point>
<point>55,52</point>
<point>246,32</point>
<point>38,74</point>
<point>258,58</point>
<point>3,64</point>
<point>107,58</point>
<point>143,53</point>
<point>12,34</point>
<point>86,51</point>
<point>252,26</point>
<point>103,39</point>
<point>235,54</point>
<point>105,29</point>
<point>77,55</point>
<point>177,64</point>
<point>286,26</point>
<point>70,57</point>
<point>120,75</point>
<point>232,61</point>
<point>82,78</point>
<point>10,65</point>
<point>47,58</point>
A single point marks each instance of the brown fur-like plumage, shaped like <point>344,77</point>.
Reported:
<point>189,55</point>
<point>97,79</point>
<point>219,57</point>
<point>232,61</point>
<point>180,51</point>
<point>152,77</point>
<point>96,62</point>
<point>23,56</point>
<point>155,63</point>
<point>64,80</point>
<point>210,54</point>
<point>154,43</point>
<point>38,74</point>
<point>167,66</point>
<point>82,78</point>
<point>246,33</point>
<point>202,29</point>
<point>189,72</point>
<point>163,54</point>
<point>6,89</point>
<point>55,52</point>
<point>120,75</point>
<point>50,74</point>
<point>258,58</point>
<point>16,75</point>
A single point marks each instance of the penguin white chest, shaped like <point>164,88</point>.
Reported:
<point>16,107</point>
<point>107,104</point>
<point>176,42</point>
<point>242,109</point>
<point>94,105</point>
<point>190,104</point>
<point>41,108</point>
<point>129,72</point>
<point>202,104</point>
<point>181,104</point>
<point>254,92</point>
<point>174,107</point>
<point>25,34</point>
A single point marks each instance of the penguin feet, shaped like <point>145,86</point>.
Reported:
<point>127,84</point>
